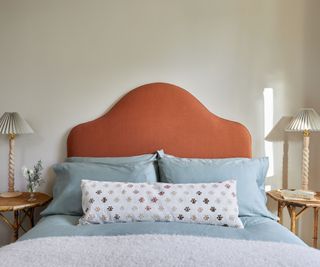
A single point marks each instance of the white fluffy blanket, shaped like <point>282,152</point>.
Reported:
<point>154,250</point>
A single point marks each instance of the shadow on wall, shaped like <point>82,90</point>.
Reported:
<point>279,134</point>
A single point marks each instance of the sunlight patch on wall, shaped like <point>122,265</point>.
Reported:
<point>268,124</point>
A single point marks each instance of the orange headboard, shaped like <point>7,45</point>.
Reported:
<point>159,116</point>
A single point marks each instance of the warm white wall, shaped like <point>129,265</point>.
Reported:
<point>63,62</point>
<point>312,99</point>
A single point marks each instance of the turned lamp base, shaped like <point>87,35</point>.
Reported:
<point>10,194</point>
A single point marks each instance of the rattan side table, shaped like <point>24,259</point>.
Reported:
<point>292,206</point>
<point>22,208</point>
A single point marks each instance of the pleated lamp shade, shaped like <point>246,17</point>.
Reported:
<point>305,120</point>
<point>13,123</point>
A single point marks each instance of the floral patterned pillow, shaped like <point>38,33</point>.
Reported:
<point>208,203</point>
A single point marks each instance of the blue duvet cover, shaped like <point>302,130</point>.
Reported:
<point>255,228</point>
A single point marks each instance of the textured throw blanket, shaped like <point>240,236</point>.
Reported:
<point>154,250</point>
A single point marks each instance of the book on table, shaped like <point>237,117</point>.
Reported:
<point>297,194</point>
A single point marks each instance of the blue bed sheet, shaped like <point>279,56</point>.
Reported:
<point>255,228</point>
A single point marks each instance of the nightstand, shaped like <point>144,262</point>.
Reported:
<point>22,209</point>
<point>292,206</point>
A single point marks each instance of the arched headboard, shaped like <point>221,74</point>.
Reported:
<point>159,116</point>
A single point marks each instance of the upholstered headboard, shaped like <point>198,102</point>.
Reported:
<point>159,116</point>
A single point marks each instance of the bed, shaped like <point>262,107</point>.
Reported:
<point>148,119</point>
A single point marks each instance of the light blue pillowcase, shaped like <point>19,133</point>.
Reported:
<point>115,160</point>
<point>67,191</point>
<point>249,173</point>
<point>122,160</point>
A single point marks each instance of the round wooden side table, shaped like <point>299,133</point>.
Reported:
<point>302,205</point>
<point>22,208</point>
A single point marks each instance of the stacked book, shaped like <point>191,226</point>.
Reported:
<point>297,194</point>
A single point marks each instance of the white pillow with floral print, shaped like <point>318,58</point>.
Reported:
<point>208,203</point>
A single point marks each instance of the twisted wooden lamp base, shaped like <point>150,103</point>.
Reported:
<point>11,192</point>
<point>305,161</point>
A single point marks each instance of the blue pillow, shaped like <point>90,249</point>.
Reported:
<point>67,191</point>
<point>114,160</point>
<point>249,173</point>
<point>122,160</point>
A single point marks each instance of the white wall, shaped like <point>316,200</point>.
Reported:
<point>64,62</point>
<point>312,99</point>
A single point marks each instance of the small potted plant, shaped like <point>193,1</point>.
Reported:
<point>34,178</point>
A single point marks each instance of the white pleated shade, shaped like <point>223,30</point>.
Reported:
<point>305,120</point>
<point>13,123</point>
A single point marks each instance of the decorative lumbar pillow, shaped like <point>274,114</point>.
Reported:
<point>249,173</point>
<point>207,203</point>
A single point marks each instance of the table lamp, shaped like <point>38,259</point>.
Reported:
<point>306,120</point>
<point>12,124</point>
